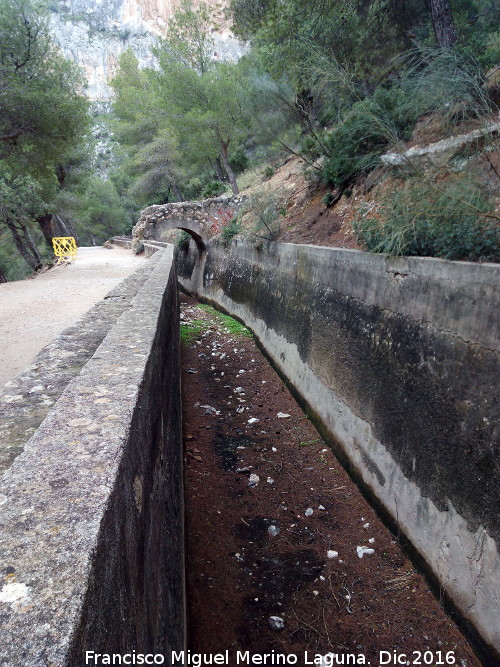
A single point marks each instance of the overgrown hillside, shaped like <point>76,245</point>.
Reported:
<point>441,186</point>
<point>334,85</point>
<point>310,90</point>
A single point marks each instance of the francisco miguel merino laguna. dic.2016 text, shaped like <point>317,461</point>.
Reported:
<point>246,658</point>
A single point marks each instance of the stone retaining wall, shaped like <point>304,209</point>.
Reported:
<point>398,361</point>
<point>91,511</point>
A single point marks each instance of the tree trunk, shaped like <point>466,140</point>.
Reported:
<point>33,247</point>
<point>45,224</point>
<point>52,225</point>
<point>443,24</point>
<point>3,277</point>
<point>63,227</point>
<point>227,167</point>
<point>25,245</point>
<point>219,170</point>
<point>174,185</point>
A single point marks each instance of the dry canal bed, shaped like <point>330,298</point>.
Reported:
<point>285,557</point>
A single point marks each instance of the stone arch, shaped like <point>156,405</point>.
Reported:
<point>194,229</point>
<point>202,220</point>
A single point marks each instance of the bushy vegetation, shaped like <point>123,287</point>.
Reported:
<point>213,189</point>
<point>182,240</point>
<point>48,176</point>
<point>99,212</point>
<point>182,124</point>
<point>288,35</point>
<point>450,220</point>
<point>43,120</point>
<point>355,145</point>
<point>232,229</point>
<point>266,209</point>
<point>446,84</point>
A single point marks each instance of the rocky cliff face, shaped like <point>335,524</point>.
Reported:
<point>94,33</point>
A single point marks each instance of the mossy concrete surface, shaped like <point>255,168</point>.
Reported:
<point>91,511</point>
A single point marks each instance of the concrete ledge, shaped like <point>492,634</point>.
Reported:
<point>26,400</point>
<point>439,153</point>
<point>398,361</point>
<point>91,522</point>
<point>150,247</point>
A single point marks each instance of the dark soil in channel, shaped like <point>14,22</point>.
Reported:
<point>253,551</point>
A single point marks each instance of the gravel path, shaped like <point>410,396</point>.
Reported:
<point>34,311</point>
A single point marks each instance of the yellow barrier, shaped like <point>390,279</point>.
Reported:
<point>64,246</point>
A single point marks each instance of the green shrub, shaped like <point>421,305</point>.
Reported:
<point>230,230</point>
<point>182,240</point>
<point>12,265</point>
<point>356,144</point>
<point>491,56</point>
<point>446,221</point>
<point>328,199</point>
<point>99,212</point>
<point>268,172</point>
<point>444,82</point>
<point>239,161</point>
<point>266,209</point>
<point>213,189</point>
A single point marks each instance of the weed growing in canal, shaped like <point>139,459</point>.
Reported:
<point>234,326</point>
<point>229,323</point>
<point>192,330</point>
<point>306,443</point>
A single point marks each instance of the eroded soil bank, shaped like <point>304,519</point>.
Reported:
<point>277,529</point>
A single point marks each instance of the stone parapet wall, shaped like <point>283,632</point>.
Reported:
<point>26,400</point>
<point>149,248</point>
<point>92,525</point>
<point>397,360</point>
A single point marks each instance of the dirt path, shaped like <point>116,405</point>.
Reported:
<point>275,527</point>
<point>34,311</point>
